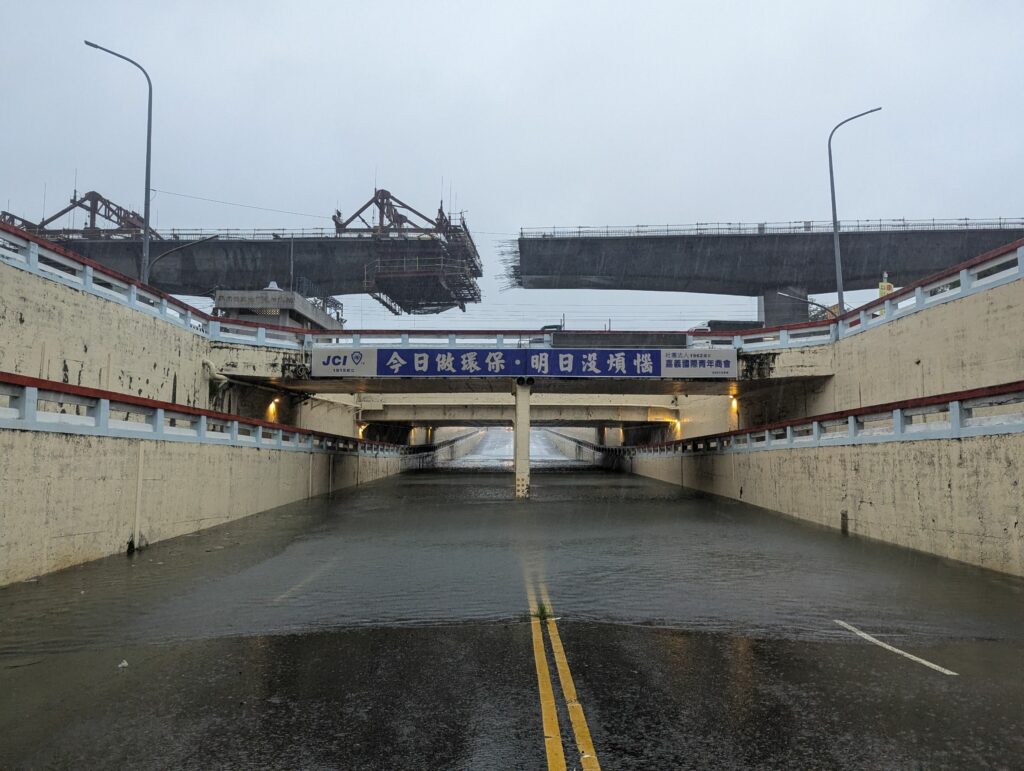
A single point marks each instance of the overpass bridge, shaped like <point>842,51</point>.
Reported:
<point>753,260</point>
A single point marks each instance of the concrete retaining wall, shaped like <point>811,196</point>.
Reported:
<point>68,498</point>
<point>970,342</point>
<point>58,333</point>
<point>961,498</point>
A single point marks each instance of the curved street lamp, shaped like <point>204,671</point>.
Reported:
<point>144,267</point>
<point>829,313</point>
<point>835,218</point>
<point>180,247</point>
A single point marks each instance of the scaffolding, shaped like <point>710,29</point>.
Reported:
<point>420,265</point>
<point>411,263</point>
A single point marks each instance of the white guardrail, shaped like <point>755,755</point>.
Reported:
<point>982,412</point>
<point>1001,267</point>
<point>67,409</point>
<point>973,277</point>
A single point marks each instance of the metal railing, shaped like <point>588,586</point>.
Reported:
<point>258,234</point>
<point>33,404</point>
<point>20,249</point>
<point>994,268</point>
<point>768,228</point>
<point>977,412</point>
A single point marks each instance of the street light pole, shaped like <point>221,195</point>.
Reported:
<point>144,267</point>
<point>835,218</point>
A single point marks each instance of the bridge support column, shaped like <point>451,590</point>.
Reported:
<point>774,309</point>
<point>521,429</point>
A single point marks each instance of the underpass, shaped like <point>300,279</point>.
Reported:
<point>398,602</point>
<point>391,625</point>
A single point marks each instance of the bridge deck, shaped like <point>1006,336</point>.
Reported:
<point>411,274</point>
<point>744,262</point>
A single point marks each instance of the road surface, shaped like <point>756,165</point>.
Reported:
<point>431,621</point>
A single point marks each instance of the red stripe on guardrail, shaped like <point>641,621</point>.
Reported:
<point>876,409</point>
<point>142,401</point>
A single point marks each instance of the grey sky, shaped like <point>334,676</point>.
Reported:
<point>537,113</point>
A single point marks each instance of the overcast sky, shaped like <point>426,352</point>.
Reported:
<point>535,113</point>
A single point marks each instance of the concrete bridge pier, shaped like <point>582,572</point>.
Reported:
<point>521,429</point>
<point>774,309</point>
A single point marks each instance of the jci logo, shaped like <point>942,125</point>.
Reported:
<point>342,360</point>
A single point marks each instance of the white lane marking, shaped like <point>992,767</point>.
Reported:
<point>888,647</point>
<point>312,576</point>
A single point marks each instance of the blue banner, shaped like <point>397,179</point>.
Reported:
<point>429,362</point>
<point>451,362</point>
<point>555,362</point>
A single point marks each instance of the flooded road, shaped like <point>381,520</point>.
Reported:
<point>494,453</point>
<point>390,627</point>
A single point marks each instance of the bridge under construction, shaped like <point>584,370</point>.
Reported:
<point>752,260</point>
<point>409,262</point>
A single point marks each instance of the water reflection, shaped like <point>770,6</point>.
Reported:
<point>447,547</point>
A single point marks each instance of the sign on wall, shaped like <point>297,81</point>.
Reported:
<point>680,363</point>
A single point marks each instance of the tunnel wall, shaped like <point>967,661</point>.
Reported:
<point>955,498</point>
<point>70,498</point>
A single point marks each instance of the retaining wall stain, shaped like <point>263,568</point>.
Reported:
<point>754,366</point>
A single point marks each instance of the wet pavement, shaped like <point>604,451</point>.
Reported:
<point>389,627</point>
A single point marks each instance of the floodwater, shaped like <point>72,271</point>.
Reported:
<point>669,604</point>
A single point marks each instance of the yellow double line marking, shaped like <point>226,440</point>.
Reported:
<point>552,733</point>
